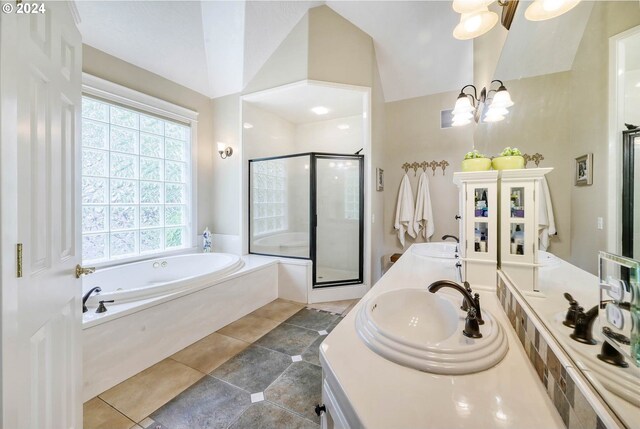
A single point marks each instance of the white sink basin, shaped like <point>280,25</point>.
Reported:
<point>422,330</point>
<point>438,249</point>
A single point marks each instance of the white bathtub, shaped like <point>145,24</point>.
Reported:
<point>157,277</point>
<point>283,244</point>
<point>160,310</point>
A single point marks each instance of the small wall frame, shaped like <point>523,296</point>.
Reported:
<point>584,170</point>
<point>379,179</point>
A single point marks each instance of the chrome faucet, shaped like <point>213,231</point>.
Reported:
<point>86,297</point>
<point>474,314</point>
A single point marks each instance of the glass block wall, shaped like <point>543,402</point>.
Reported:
<point>135,182</point>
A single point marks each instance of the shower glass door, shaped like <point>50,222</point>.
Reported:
<point>338,204</point>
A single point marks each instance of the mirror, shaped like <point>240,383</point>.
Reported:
<point>557,73</point>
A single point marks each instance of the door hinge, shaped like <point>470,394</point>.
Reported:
<point>19,260</point>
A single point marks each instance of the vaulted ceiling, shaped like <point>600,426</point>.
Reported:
<point>217,47</point>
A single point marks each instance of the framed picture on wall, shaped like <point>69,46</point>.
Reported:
<point>379,179</point>
<point>584,170</point>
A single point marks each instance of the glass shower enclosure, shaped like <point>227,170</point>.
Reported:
<point>310,206</point>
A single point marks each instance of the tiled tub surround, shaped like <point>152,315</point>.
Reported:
<point>261,371</point>
<point>373,392</point>
<point>536,318</point>
<point>156,328</point>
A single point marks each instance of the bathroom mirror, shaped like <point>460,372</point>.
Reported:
<point>558,74</point>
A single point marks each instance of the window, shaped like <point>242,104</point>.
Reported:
<point>269,184</point>
<point>136,175</point>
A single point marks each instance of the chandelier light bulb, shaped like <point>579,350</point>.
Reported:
<point>475,24</point>
<point>541,10</point>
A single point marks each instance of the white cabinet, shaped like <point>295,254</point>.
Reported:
<point>479,206</point>
<point>519,219</point>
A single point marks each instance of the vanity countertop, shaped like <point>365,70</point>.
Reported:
<point>382,394</point>
<point>551,306</point>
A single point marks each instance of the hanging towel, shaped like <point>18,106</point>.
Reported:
<point>404,210</point>
<point>423,217</point>
<point>546,220</point>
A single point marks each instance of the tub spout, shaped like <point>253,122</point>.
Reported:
<point>86,296</point>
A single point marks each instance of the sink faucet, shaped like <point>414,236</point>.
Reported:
<point>472,302</point>
<point>86,297</point>
<point>584,324</point>
<point>445,237</point>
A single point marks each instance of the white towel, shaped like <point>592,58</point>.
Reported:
<point>546,220</point>
<point>423,217</point>
<point>404,210</point>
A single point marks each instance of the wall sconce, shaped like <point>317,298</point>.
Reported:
<point>476,19</point>
<point>224,150</point>
<point>471,105</point>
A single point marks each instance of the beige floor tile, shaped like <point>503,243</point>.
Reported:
<point>210,352</point>
<point>353,304</point>
<point>145,392</point>
<point>279,310</point>
<point>249,328</point>
<point>97,414</point>
<point>338,307</point>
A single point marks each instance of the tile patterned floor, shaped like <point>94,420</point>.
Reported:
<point>261,371</point>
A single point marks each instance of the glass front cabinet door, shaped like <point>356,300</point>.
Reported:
<point>519,219</point>
<point>478,228</point>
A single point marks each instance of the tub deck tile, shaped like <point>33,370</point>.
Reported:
<point>210,352</point>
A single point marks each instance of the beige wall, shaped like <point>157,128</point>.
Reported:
<point>288,63</point>
<point>225,177</point>
<point>113,69</point>
<point>413,133</point>
<point>378,141</point>
<point>588,119</point>
<point>325,136</point>
<point>338,50</point>
<point>539,123</point>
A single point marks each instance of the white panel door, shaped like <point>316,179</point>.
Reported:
<point>41,313</point>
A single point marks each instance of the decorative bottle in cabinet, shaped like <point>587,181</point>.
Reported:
<point>519,218</point>
<point>478,226</point>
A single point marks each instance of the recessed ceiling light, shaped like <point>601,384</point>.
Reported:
<point>638,85</point>
<point>247,125</point>
<point>343,126</point>
<point>320,110</point>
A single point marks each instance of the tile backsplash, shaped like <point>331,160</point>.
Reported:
<point>573,407</point>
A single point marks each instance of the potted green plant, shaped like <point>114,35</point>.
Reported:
<point>509,159</point>
<point>475,161</point>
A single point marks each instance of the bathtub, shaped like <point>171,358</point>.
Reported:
<point>158,277</point>
<point>163,305</point>
<point>283,244</point>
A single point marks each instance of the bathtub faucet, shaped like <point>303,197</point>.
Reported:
<point>86,297</point>
<point>444,237</point>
